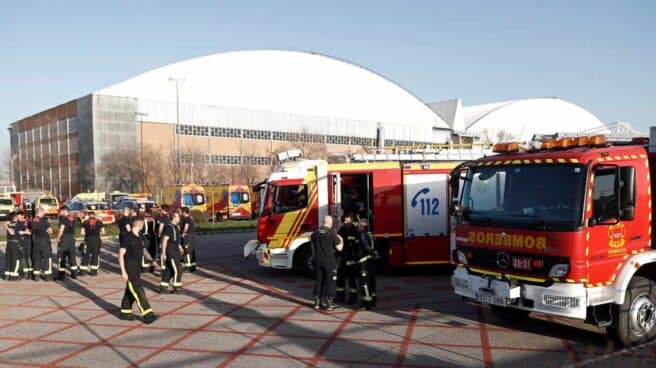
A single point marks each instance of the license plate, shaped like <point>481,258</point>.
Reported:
<point>520,263</point>
<point>489,298</point>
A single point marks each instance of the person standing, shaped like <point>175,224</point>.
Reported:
<point>42,247</point>
<point>189,240</point>
<point>15,231</point>
<point>171,255</point>
<point>365,259</point>
<point>66,244</point>
<point>26,254</point>
<point>325,242</point>
<point>161,222</point>
<point>150,239</point>
<point>129,259</point>
<point>92,230</point>
<point>124,224</point>
<point>349,235</point>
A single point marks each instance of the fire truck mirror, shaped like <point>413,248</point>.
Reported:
<point>627,193</point>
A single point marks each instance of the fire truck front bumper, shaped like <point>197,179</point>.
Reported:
<point>561,299</point>
<point>266,257</point>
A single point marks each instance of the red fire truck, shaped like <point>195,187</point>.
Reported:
<point>406,203</point>
<point>561,227</point>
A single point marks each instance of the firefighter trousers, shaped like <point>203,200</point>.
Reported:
<point>66,253</point>
<point>12,259</point>
<point>367,283</point>
<point>151,247</point>
<point>346,274</point>
<point>190,253</point>
<point>26,257</point>
<point>134,293</point>
<point>171,272</point>
<point>42,259</point>
<point>90,261</point>
<point>324,282</point>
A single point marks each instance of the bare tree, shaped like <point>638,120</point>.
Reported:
<point>489,136</point>
<point>120,169</point>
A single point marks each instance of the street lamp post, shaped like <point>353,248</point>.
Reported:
<point>140,116</point>
<point>177,82</point>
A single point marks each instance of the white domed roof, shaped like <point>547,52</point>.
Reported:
<point>523,118</point>
<point>283,81</point>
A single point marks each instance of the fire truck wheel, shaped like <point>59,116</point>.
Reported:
<point>636,318</point>
<point>303,261</point>
<point>509,314</point>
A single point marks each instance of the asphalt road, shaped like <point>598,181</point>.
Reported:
<point>234,313</point>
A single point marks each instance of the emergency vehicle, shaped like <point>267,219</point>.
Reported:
<point>561,226</point>
<point>229,201</point>
<point>7,206</point>
<point>188,195</point>
<point>404,196</point>
<point>80,210</point>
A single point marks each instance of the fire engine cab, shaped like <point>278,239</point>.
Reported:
<point>404,196</point>
<point>561,226</point>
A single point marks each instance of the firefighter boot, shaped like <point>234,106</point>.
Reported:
<point>340,296</point>
<point>330,305</point>
<point>317,302</point>
<point>73,274</point>
<point>61,275</point>
<point>163,289</point>
<point>127,316</point>
<point>150,318</point>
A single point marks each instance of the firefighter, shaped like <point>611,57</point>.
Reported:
<point>325,242</point>
<point>161,222</point>
<point>150,240</point>
<point>92,230</point>
<point>129,259</point>
<point>171,255</point>
<point>15,231</point>
<point>188,225</point>
<point>66,244</point>
<point>42,247</point>
<point>26,254</point>
<point>365,257</point>
<point>349,235</point>
<point>124,224</point>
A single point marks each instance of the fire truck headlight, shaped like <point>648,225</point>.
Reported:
<point>559,270</point>
<point>461,256</point>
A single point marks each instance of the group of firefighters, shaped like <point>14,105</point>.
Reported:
<point>348,255</point>
<point>143,239</point>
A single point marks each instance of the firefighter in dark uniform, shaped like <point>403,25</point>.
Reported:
<point>149,231</point>
<point>66,244</point>
<point>42,247</point>
<point>15,231</point>
<point>124,224</point>
<point>365,258</point>
<point>129,259</point>
<point>92,230</point>
<point>171,255</point>
<point>161,222</point>
<point>349,235</point>
<point>325,242</point>
<point>188,226</point>
<point>26,254</point>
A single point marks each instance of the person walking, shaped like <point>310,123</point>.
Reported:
<point>325,242</point>
<point>129,259</point>
<point>171,255</point>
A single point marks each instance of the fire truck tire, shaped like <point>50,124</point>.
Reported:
<point>303,262</point>
<point>636,318</point>
<point>509,314</point>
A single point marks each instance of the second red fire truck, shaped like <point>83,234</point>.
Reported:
<point>562,227</point>
<point>406,203</point>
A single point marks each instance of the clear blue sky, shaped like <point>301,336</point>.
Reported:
<point>599,54</point>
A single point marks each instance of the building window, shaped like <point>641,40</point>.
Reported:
<point>257,134</point>
<point>226,132</point>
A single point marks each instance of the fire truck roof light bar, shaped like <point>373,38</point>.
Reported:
<point>550,143</point>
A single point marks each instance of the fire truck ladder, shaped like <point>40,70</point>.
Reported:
<point>426,153</point>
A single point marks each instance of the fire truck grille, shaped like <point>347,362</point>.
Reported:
<point>512,262</point>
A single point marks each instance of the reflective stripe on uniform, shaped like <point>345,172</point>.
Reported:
<point>363,259</point>
<point>73,268</point>
<point>175,271</point>
<point>136,297</point>
<point>165,284</point>
<point>146,312</point>
<point>17,268</point>
<point>84,268</point>
<point>126,311</point>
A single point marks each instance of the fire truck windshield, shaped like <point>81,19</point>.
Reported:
<point>289,198</point>
<point>544,197</point>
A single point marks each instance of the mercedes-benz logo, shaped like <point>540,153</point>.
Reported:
<point>503,260</point>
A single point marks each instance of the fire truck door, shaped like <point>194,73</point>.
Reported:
<point>426,217</point>
<point>335,196</point>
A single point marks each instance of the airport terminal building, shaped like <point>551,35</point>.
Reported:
<point>231,110</point>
